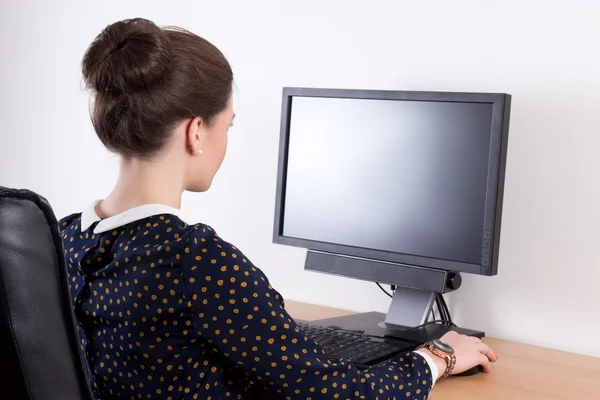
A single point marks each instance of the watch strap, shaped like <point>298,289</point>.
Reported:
<point>449,358</point>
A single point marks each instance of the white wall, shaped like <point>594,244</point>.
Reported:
<point>545,53</point>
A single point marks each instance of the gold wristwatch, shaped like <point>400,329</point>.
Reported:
<point>444,351</point>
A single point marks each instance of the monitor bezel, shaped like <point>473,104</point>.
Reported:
<point>495,177</point>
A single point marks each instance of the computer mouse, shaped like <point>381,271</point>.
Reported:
<point>472,371</point>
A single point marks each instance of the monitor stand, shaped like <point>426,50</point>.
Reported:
<point>409,308</point>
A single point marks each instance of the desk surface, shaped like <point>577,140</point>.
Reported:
<point>522,372</point>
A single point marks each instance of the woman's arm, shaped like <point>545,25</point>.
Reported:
<point>238,312</point>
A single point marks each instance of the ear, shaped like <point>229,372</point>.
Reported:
<point>195,135</point>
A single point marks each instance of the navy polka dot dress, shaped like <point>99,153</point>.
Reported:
<point>171,311</point>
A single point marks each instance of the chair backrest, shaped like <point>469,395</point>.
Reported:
<point>40,357</point>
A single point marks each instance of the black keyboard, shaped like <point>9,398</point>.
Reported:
<point>354,346</point>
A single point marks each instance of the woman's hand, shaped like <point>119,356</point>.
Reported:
<point>470,352</point>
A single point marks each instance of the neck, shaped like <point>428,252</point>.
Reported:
<point>142,182</point>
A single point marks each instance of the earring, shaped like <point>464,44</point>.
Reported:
<point>199,152</point>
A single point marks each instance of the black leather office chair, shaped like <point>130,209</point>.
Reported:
<point>39,351</point>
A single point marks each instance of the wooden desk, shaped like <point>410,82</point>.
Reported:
<point>522,372</point>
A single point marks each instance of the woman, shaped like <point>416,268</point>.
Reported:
<point>168,310</point>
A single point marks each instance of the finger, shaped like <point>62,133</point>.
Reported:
<point>485,363</point>
<point>487,351</point>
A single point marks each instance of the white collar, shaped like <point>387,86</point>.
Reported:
<point>89,216</point>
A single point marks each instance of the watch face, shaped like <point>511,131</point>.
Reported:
<point>442,346</point>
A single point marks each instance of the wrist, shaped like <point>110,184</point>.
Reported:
<point>439,362</point>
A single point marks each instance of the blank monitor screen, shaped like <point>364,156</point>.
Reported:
<point>399,176</point>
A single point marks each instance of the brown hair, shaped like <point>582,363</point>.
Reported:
<point>146,79</point>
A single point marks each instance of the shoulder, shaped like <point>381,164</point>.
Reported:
<point>69,223</point>
<point>203,239</point>
<point>207,249</point>
<point>206,244</point>
<point>214,269</point>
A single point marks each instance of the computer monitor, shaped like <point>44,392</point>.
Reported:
<point>397,187</point>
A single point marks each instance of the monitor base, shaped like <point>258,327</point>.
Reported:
<point>373,324</point>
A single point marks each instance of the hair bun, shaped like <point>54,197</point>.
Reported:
<point>126,57</point>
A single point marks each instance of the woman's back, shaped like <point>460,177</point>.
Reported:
<point>129,290</point>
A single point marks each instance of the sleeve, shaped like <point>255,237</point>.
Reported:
<point>237,311</point>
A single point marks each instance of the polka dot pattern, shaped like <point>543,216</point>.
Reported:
<point>167,310</point>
